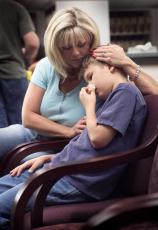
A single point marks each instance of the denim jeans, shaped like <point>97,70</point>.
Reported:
<point>14,135</point>
<point>61,193</point>
<point>12,94</point>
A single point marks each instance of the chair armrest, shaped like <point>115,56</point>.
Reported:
<point>13,158</point>
<point>44,179</point>
<point>9,155</point>
<point>126,212</point>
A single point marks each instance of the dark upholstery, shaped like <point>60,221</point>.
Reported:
<point>68,226</point>
<point>153,183</point>
<point>66,213</point>
<point>137,213</point>
<point>61,214</point>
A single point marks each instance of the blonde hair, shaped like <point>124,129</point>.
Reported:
<point>68,25</point>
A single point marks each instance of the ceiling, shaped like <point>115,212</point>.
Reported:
<point>46,4</point>
<point>133,3</point>
<point>37,4</point>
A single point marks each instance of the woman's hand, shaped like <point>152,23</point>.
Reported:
<point>111,54</point>
<point>31,165</point>
<point>114,55</point>
<point>78,127</point>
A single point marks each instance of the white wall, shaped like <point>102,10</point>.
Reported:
<point>151,70</point>
<point>98,10</point>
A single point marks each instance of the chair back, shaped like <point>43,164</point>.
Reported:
<point>136,178</point>
<point>151,123</point>
<point>153,182</point>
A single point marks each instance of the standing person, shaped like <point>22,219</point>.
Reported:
<point>114,127</point>
<point>18,42</point>
<point>51,106</point>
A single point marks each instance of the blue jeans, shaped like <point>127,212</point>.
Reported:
<point>61,193</point>
<point>13,135</point>
<point>12,93</point>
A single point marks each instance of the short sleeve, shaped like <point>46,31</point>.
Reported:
<point>25,22</point>
<point>118,110</point>
<point>41,73</point>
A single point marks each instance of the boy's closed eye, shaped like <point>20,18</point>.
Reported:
<point>88,77</point>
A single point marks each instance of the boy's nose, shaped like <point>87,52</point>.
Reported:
<point>91,85</point>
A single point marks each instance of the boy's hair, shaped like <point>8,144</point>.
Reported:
<point>88,60</point>
<point>66,27</point>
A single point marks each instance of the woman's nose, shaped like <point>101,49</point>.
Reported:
<point>76,51</point>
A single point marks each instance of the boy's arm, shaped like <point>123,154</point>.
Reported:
<point>99,135</point>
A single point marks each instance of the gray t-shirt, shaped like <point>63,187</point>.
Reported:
<point>125,111</point>
<point>15,22</point>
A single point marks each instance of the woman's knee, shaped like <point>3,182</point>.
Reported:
<point>12,136</point>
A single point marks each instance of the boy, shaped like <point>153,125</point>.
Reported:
<point>115,127</point>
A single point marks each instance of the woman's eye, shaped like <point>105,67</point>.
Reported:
<point>81,44</point>
<point>66,48</point>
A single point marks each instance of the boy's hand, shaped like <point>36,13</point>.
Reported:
<point>31,165</point>
<point>88,96</point>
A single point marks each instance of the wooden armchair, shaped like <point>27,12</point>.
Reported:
<point>133,182</point>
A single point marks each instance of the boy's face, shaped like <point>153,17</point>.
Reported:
<point>100,77</point>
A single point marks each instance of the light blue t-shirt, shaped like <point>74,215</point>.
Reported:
<point>57,106</point>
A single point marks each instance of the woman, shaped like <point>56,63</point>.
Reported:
<point>51,106</point>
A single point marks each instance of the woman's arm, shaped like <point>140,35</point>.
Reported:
<point>32,118</point>
<point>115,55</point>
<point>99,135</point>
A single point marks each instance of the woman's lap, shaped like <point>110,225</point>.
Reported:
<point>12,136</point>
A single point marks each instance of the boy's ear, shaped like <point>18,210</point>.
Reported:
<point>112,69</point>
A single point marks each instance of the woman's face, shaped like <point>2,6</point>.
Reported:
<point>74,53</point>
